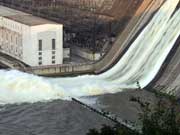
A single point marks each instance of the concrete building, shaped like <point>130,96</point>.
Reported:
<point>33,40</point>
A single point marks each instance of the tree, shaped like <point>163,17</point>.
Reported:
<point>93,132</point>
<point>162,120</point>
<point>115,130</point>
<point>159,120</point>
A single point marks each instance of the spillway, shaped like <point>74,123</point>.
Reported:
<point>140,63</point>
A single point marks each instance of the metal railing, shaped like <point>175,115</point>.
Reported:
<point>62,69</point>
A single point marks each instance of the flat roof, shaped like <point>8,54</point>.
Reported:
<point>22,17</point>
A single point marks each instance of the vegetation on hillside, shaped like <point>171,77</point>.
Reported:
<point>163,119</point>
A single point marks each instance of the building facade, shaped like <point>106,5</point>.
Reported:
<point>32,40</point>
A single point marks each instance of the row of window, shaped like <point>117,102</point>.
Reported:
<point>11,37</point>
<point>53,44</point>
<point>12,50</point>
<point>53,52</point>
<point>40,57</point>
<point>53,58</point>
<point>12,25</point>
<point>53,62</point>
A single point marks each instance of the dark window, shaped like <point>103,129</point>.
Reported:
<point>53,44</point>
<point>40,53</point>
<point>53,62</point>
<point>53,52</point>
<point>53,57</point>
<point>40,63</point>
<point>40,58</point>
<point>40,45</point>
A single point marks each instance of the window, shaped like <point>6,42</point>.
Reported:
<point>53,44</point>
<point>53,57</point>
<point>40,53</point>
<point>53,52</point>
<point>40,63</point>
<point>40,58</point>
<point>53,62</point>
<point>40,45</point>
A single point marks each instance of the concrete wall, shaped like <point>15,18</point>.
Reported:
<point>84,53</point>
<point>66,53</point>
<point>11,37</point>
<point>123,41</point>
<point>141,17</point>
<point>21,42</point>
<point>62,70</point>
<point>168,78</point>
<point>45,33</point>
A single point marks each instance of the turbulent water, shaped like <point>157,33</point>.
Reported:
<point>140,63</point>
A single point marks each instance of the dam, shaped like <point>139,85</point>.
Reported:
<point>142,10</point>
<point>140,63</point>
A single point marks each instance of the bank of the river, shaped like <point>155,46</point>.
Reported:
<point>66,117</point>
<point>122,106</point>
<point>52,118</point>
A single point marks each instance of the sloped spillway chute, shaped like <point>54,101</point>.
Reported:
<point>140,63</point>
<point>145,56</point>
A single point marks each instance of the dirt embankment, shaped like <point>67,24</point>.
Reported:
<point>140,18</point>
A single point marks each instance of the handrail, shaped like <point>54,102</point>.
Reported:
<point>59,66</point>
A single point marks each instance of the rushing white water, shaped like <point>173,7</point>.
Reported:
<point>140,63</point>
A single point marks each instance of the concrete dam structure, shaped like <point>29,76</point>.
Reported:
<point>147,48</point>
<point>126,24</point>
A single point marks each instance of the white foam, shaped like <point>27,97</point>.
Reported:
<point>17,87</point>
<point>140,63</point>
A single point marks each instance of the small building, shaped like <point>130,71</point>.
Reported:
<point>30,39</point>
